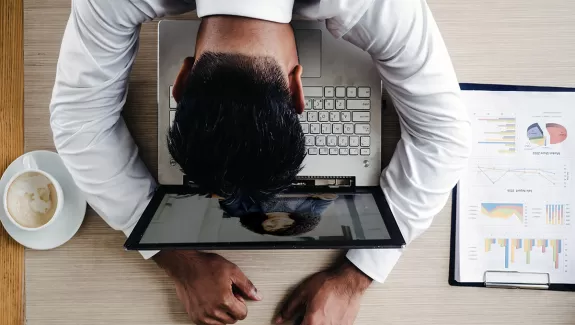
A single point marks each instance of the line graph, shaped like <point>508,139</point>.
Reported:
<point>494,174</point>
<point>502,175</point>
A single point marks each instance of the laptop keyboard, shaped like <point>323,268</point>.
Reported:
<point>336,120</point>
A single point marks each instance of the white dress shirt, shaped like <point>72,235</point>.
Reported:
<point>99,47</point>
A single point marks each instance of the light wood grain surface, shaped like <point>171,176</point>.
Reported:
<point>11,146</point>
<point>91,280</point>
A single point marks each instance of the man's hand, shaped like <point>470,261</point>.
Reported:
<point>211,288</point>
<point>327,298</point>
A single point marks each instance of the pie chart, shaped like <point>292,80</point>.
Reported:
<point>553,133</point>
<point>557,133</point>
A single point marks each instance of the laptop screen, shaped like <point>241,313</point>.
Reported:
<point>296,217</point>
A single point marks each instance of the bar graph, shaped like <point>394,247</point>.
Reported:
<point>498,132</point>
<point>550,249</point>
<point>555,214</point>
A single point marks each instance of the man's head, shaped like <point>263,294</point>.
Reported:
<point>236,130</point>
<point>279,223</point>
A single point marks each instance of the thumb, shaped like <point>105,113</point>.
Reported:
<point>246,286</point>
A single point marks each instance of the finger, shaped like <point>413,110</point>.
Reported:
<point>210,321</point>
<point>246,286</point>
<point>236,308</point>
<point>224,317</point>
<point>291,306</point>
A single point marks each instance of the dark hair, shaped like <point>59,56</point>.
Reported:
<point>303,223</point>
<point>236,131</point>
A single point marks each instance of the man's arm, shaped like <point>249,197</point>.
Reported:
<point>409,52</point>
<point>98,49</point>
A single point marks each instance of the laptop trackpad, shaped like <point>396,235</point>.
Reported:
<point>308,43</point>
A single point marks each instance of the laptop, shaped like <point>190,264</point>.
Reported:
<point>336,199</point>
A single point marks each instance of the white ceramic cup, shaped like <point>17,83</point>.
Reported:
<point>30,166</point>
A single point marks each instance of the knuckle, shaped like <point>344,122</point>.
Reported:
<point>242,315</point>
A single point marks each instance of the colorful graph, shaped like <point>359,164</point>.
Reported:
<point>525,245</point>
<point>556,133</point>
<point>555,214</point>
<point>502,210</point>
<point>499,132</point>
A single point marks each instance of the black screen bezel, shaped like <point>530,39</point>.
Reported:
<point>395,241</point>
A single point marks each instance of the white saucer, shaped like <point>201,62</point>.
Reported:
<point>67,224</point>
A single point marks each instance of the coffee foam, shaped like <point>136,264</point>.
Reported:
<point>31,200</point>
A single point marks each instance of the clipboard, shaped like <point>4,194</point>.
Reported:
<point>502,279</point>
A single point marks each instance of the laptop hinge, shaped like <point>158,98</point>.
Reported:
<point>324,182</point>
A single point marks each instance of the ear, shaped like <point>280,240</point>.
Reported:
<point>296,89</point>
<point>180,83</point>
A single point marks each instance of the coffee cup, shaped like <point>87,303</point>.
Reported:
<point>33,199</point>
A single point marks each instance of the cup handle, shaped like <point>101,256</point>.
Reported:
<point>29,162</point>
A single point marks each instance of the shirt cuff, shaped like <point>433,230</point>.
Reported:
<point>375,263</point>
<point>145,254</point>
<point>276,11</point>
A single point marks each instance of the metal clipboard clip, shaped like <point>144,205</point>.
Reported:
<point>516,280</point>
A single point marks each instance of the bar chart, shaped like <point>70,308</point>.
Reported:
<point>498,133</point>
<point>524,251</point>
<point>556,214</point>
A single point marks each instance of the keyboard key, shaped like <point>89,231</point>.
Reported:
<point>348,128</point>
<point>314,128</point>
<point>313,91</point>
<point>361,128</point>
<point>323,116</point>
<point>364,152</point>
<point>317,104</point>
<point>334,116</point>
<point>365,141</point>
<point>312,151</point>
<point>308,103</point>
<point>340,104</point>
<point>320,140</point>
<point>173,103</point>
<point>364,92</point>
<point>342,141</point>
<point>328,104</point>
<point>333,151</point>
<point>340,92</point>
<point>332,141</point>
<point>344,151</point>
<point>328,91</point>
<point>302,117</point>
<point>323,151</point>
<point>351,91</point>
<point>337,128</point>
<point>309,140</point>
<point>326,128</point>
<point>353,151</point>
<point>361,116</point>
<point>354,141</point>
<point>358,104</point>
<point>345,116</point>
<point>172,117</point>
<point>312,116</point>
<point>305,127</point>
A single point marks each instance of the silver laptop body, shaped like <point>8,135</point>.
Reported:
<point>342,119</point>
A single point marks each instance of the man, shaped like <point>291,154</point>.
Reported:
<point>246,46</point>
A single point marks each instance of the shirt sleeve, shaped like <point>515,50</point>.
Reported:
<point>98,49</point>
<point>410,55</point>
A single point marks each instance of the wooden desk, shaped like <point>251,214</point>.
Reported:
<point>11,146</point>
<point>91,280</point>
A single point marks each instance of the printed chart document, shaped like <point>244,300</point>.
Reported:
<point>515,202</point>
